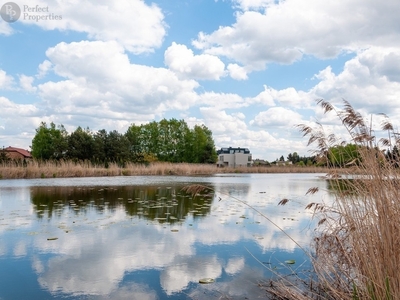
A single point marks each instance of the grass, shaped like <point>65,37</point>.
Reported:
<point>61,169</point>
<point>356,249</point>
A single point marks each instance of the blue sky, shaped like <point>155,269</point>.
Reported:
<point>250,70</point>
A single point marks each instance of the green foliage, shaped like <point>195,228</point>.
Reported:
<point>393,156</point>
<point>296,159</point>
<point>341,156</point>
<point>49,142</point>
<point>80,144</point>
<point>4,156</point>
<point>171,141</point>
<point>167,140</point>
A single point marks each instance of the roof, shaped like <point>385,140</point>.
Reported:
<point>21,151</point>
<point>233,150</point>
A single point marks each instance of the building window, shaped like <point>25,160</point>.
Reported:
<point>249,158</point>
<point>221,158</point>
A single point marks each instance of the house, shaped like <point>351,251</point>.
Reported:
<point>282,163</point>
<point>234,157</point>
<point>260,162</point>
<point>17,153</point>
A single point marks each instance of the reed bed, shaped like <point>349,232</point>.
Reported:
<point>356,250</point>
<point>61,169</point>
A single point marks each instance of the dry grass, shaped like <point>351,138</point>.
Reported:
<point>357,247</point>
<point>50,169</point>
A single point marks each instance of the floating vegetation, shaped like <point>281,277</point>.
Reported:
<point>174,230</point>
<point>52,238</point>
<point>206,280</point>
<point>290,261</point>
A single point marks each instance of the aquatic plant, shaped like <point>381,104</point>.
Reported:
<point>356,249</point>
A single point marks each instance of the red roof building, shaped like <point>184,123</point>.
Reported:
<point>17,153</point>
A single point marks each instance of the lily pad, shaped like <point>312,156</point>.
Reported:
<point>206,280</point>
<point>290,261</point>
<point>52,239</point>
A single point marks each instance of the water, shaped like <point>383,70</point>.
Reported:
<point>142,237</point>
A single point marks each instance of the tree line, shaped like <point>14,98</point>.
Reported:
<point>344,156</point>
<point>166,140</point>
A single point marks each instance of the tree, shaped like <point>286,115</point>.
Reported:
<point>135,143</point>
<point>99,145</point>
<point>111,147</point>
<point>341,156</point>
<point>203,146</point>
<point>49,142</point>
<point>4,156</point>
<point>171,140</point>
<point>294,158</point>
<point>117,147</point>
<point>80,144</point>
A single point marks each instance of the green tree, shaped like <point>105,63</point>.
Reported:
<point>133,134</point>
<point>293,157</point>
<point>171,140</point>
<point>151,140</point>
<point>341,156</point>
<point>49,142</point>
<point>4,156</point>
<point>111,147</point>
<point>117,147</point>
<point>80,144</point>
<point>204,147</point>
<point>99,146</point>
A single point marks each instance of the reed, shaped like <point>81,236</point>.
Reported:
<point>356,251</point>
<point>60,169</point>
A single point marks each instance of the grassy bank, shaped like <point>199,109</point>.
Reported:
<point>36,169</point>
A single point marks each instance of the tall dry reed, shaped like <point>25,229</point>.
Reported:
<point>357,247</point>
<point>49,169</point>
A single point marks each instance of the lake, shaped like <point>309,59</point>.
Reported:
<point>142,237</point>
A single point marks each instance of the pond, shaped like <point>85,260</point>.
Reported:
<point>140,237</point>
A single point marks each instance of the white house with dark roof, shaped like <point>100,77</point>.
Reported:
<point>234,157</point>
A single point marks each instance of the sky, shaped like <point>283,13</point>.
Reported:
<point>250,70</point>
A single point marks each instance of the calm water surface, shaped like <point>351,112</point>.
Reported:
<point>141,237</point>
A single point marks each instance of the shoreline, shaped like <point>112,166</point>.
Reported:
<point>68,169</point>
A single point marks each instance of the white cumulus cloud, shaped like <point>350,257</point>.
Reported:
<point>6,81</point>
<point>237,72</point>
<point>283,32</point>
<point>137,26</point>
<point>277,116</point>
<point>101,80</point>
<point>183,62</point>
